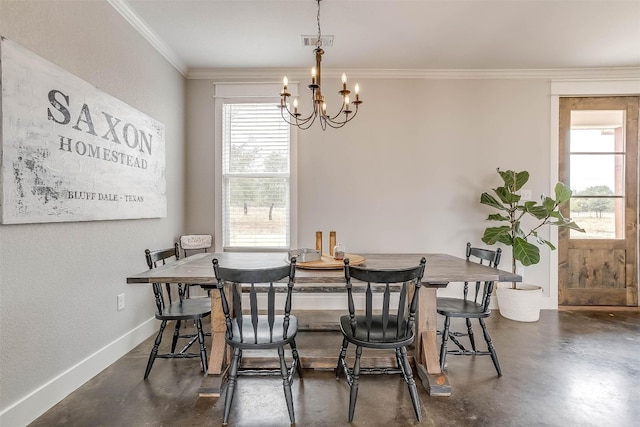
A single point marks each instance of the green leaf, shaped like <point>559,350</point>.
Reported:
<point>573,226</point>
<point>489,200</point>
<point>521,179</point>
<point>557,215</point>
<point>492,235</point>
<point>549,204</point>
<point>525,252</point>
<point>498,217</point>
<point>514,180</point>
<point>506,195</point>
<point>538,211</point>
<point>563,193</point>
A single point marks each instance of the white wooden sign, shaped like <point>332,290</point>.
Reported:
<point>71,152</point>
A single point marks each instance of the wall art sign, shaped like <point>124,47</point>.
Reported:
<point>71,152</point>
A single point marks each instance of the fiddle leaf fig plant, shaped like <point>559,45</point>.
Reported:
<point>512,212</point>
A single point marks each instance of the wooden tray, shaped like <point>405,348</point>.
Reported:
<point>327,262</point>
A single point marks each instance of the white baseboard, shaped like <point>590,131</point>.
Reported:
<point>46,396</point>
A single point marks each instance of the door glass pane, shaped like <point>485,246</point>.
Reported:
<point>598,216</point>
<point>596,173</point>
<point>596,130</point>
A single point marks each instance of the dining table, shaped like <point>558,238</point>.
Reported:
<point>441,269</point>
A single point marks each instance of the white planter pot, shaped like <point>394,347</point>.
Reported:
<point>521,304</point>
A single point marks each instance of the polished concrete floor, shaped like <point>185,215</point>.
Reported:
<point>572,368</point>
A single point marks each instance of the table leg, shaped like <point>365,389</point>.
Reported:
<point>218,329</point>
<point>212,382</point>
<point>426,345</point>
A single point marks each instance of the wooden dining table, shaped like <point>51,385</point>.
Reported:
<point>440,270</point>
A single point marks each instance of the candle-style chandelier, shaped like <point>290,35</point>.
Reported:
<point>342,117</point>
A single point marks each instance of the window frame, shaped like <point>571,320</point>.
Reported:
<point>238,93</point>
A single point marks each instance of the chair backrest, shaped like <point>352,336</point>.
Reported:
<point>191,243</point>
<point>155,259</point>
<point>258,281</point>
<point>486,257</point>
<point>392,281</point>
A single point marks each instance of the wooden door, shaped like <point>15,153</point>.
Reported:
<point>599,161</point>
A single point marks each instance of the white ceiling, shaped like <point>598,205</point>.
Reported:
<point>392,34</point>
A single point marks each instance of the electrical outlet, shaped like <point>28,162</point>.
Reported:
<point>120,302</point>
<point>525,194</point>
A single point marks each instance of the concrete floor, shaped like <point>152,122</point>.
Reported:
<point>572,368</point>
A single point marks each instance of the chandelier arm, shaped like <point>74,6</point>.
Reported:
<point>334,125</point>
<point>297,118</point>
<point>306,125</point>
<point>297,121</point>
<point>338,113</point>
<point>301,125</point>
<point>293,120</point>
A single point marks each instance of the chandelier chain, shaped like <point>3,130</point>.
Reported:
<point>319,41</point>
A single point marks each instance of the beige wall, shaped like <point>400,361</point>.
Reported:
<point>407,173</point>
<point>58,320</point>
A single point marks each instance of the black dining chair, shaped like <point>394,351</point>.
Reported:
<point>182,309</point>
<point>258,327</point>
<point>470,307</point>
<point>381,327</point>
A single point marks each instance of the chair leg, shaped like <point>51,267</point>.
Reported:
<point>492,349</point>
<point>286,385</point>
<point>296,358</point>
<point>231,385</point>
<point>341,361</point>
<point>408,377</point>
<point>203,348</point>
<point>354,385</point>
<point>470,333</point>
<point>154,350</point>
<point>443,346</point>
<point>176,335</point>
<point>400,364</point>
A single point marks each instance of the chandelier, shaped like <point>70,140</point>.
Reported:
<point>341,118</point>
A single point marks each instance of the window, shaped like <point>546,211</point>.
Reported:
<point>256,179</point>
<point>255,170</point>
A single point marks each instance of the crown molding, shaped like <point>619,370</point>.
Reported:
<point>123,7</point>
<point>260,74</point>
<point>236,74</point>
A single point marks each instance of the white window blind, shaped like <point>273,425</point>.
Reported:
<point>256,177</point>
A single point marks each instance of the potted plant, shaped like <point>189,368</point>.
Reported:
<point>521,221</point>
